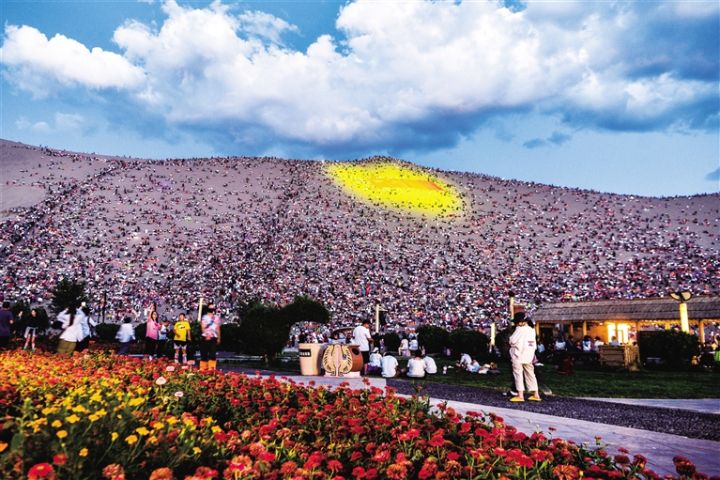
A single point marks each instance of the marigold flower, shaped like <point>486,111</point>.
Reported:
<point>114,436</point>
<point>83,452</point>
<point>131,439</point>
<point>142,431</point>
<point>41,471</point>
<point>61,434</point>
<point>3,446</point>
<point>56,424</point>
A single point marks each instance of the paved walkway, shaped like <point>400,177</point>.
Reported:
<point>659,448</point>
<point>702,405</point>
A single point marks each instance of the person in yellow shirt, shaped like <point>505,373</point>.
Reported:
<point>181,337</point>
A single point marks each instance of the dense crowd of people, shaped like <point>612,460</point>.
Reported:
<point>234,230</point>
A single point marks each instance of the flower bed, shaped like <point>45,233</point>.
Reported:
<point>100,416</point>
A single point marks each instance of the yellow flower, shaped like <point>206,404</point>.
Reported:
<point>171,421</point>
<point>158,425</point>
<point>61,434</point>
<point>48,410</point>
<point>72,419</point>
<point>56,424</point>
<point>114,436</point>
<point>136,401</point>
<point>131,439</point>
<point>152,440</point>
<point>83,452</point>
<point>3,446</point>
<point>216,429</point>
<point>142,431</point>
<point>94,417</point>
<point>196,451</point>
<point>97,398</point>
<point>49,397</point>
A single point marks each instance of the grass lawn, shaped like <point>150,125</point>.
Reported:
<point>582,383</point>
<point>598,383</point>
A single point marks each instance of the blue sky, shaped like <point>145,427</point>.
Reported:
<point>611,96</point>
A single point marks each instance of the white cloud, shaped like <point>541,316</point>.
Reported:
<point>62,123</point>
<point>32,60</point>
<point>398,67</point>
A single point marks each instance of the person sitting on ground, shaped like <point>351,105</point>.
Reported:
<point>389,365</point>
<point>375,365</point>
<point>430,365</point>
<point>464,362</point>
<point>614,342</point>
<point>416,366</point>
<point>474,367</point>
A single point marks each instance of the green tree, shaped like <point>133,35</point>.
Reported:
<point>305,309</point>
<point>433,338</point>
<point>472,342</point>
<point>67,292</point>
<point>264,331</point>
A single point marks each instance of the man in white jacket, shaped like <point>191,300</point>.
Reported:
<point>522,352</point>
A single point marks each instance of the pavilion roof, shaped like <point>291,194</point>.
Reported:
<point>699,308</point>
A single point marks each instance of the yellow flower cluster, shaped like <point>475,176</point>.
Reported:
<point>397,186</point>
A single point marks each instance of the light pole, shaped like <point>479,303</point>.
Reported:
<point>683,298</point>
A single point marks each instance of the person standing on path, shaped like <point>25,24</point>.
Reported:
<point>181,337</point>
<point>363,339</point>
<point>6,321</point>
<point>522,353</point>
<point>210,333</point>
<point>152,329</point>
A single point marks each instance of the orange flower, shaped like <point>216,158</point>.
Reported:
<point>566,472</point>
<point>163,473</point>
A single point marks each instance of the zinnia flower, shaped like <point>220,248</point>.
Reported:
<point>161,381</point>
<point>41,470</point>
<point>162,474</point>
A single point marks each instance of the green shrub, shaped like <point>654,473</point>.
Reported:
<point>391,341</point>
<point>230,339</point>
<point>502,341</point>
<point>264,331</point>
<point>305,309</point>
<point>106,331</point>
<point>676,349</point>
<point>472,342</point>
<point>434,339</point>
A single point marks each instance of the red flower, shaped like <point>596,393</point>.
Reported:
<point>453,456</point>
<point>206,473</point>
<point>622,459</point>
<point>60,459</point>
<point>437,441</point>
<point>358,472</point>
<point>288,468</point>
<point>334,465</point>
<point>381,457</point>
<point>428,470</point>
<point>41,470</point>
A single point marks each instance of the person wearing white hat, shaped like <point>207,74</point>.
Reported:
<point>522,353</point>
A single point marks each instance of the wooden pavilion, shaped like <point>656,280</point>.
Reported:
<point>621,318</point>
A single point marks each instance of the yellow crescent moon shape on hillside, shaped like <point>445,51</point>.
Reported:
<point>397,186</point>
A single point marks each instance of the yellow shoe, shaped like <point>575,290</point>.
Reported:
<point>517,399</point>
<point>535,398</point>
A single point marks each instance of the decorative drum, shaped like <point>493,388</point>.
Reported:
<point>339,360</point>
